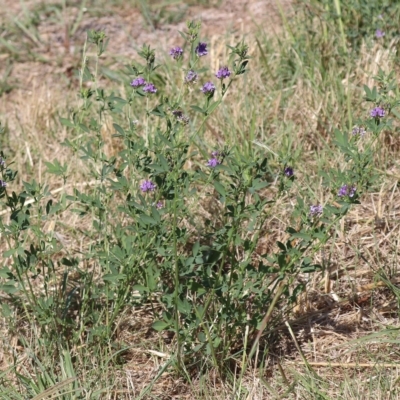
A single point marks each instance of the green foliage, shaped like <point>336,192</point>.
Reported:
<point>168,229</point>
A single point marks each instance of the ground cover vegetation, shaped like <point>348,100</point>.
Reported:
<point>190,221</point>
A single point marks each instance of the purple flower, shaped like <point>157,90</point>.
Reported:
<point>345,190</point>
<point>147,186</point>
<point>223,73</point>
<point>316,210</point>
<point>176,52</point>
<point>181,117</point>
<point>201,49</point>
<point>208,88</point>
<point>2,162</point>
<point>288,171</point>
<point>3,184</point>
<point>379,33</point>
<point>191,77</point>
<point>137,82</point>
<point>342,191</point>
<point>149,88</point>
<point>377,112</point>
<point>358,131</point>
<point>159,205</point>
<point>213,162</point>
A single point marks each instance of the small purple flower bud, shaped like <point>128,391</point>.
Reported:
<point>223,73</point>
<point>288,171</point>
<point>2,162</point>
<point>2,183</point>
<point>213,162</point>
<point>176,52</point>
<point>352,191</point>
<point>215,153</point>
<point>208,88</point>
<point>316,210</point>
<point>137,82</point>
<point>191,77</point>
<point>377,112</point>
<point>149,88</point>
<point>201,49</point>
<point>379,33</point>
<point>159,205</point>
<point>147,186</point>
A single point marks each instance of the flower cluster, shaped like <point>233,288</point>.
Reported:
<point>176,52</point>
<point>379,33</point>
<point>208,89</point>
<point>345,190</point>
<point>201,49</point>
<point>358,131</point>
<point>288,171</point>
<point>214,161</point>
<point>377,112</point>
<point>223,73</point>
<point>316,210</point>
<point>137,82</point>
<point>191,77</point>
<point>148,186</point>
<point>148,87</point>
<point>181,117</point>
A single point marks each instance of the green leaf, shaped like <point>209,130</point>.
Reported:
<point>304,236</point>
<point>9,288</point>
<point>198,109</point>
<point>5,273</point>
<point>9,253</point>
<point>67,122</point>
<point>119,129</point>
<point>213,106</point>
<point>113,277</point>
<point>139,288</point>
<point>160,325</point>
<point>219,188</point>
<point>147,220</point>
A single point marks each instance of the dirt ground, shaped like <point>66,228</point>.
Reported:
<point>128,29</point>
